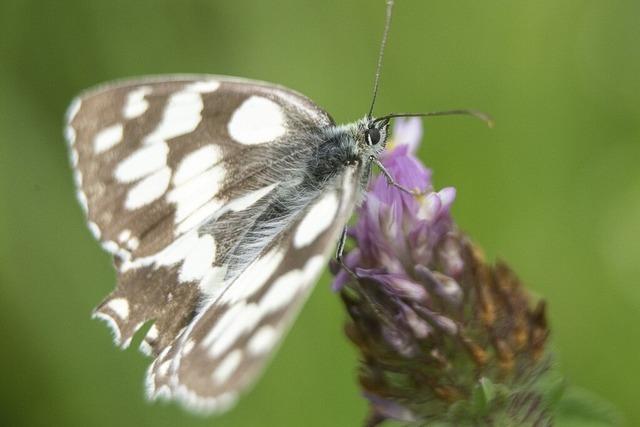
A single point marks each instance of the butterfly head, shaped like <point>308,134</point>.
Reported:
<point>371,137</point>
<point>363,142</point>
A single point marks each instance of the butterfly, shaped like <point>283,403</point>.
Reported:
<point>221,200</point>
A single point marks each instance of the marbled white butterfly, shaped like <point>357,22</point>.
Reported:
<point>220,199</point>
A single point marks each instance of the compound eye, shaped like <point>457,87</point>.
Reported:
<point>372,136</point>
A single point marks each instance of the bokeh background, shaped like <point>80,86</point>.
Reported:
<point>554,189</point>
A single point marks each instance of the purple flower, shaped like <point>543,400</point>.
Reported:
<point>429,316</point>
<point>394,228</point>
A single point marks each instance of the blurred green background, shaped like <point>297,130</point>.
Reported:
<point>554,189</point>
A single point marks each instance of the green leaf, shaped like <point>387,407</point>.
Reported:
<point>488,389</point>
<point>483,394</point>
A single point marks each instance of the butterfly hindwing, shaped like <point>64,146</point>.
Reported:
<point>157,160</point>
<point>227,345</point>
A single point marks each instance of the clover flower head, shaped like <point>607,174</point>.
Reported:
<point>442,335</point>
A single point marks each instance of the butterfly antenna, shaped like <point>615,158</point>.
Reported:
<point>376,82</point>
<point>474,113</point>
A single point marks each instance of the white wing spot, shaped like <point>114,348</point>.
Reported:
<point>73,109</point>
<point>196,192</point>
<point>77,177</point>
<point>198,216</point>
<point>145,348</point>
<point>262,340</point>
<point>207,86</point>
<point>174,253</point>
<point>222,324</point>
<point>149,189</point>
<point>133,243</point>
<point>199,259</point>
<point>152,335</point>
<point>136,105</point>
<point>164,368</point>
<point>243,202</point>
<point>95,230</point>
<point>216,208</point>
<point>347,201</point>
<point>212,282</point>
<point>227,367</point>
<point>111,246</point>
<point>164,393</point>
<point>254,277</point>
<point>124,235</point>
<point>164,352</point>
<point>247,320</point>
<point>74,157</point>
<point>226,401</point>
<point>107,138</point>
<point>70,134</point>
<point>287,286</point>
<point>181,116</point>
<point>129,241</point>
<point>119,306</point>
<point>195,163</point>
<point>317,220</point>
<point>182,113</point>
<point>282,291</point>
<point>82,199</point>
<point>256,121</point>
<point>195,402</point>
<point>312,268</point>
<point>188,347</point>
<point>142,162</point>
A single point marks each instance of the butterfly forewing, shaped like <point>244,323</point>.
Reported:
<point>142,150</point>
<point>173,174</point>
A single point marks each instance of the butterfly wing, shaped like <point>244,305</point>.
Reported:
<point>154,159</point>
<point>226,346</point>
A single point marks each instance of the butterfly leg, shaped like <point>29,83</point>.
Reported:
<point>377,309</point>
<point>340,253</point>
<point>392,181</point>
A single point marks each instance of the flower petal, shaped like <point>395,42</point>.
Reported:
<point>408,131</point>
